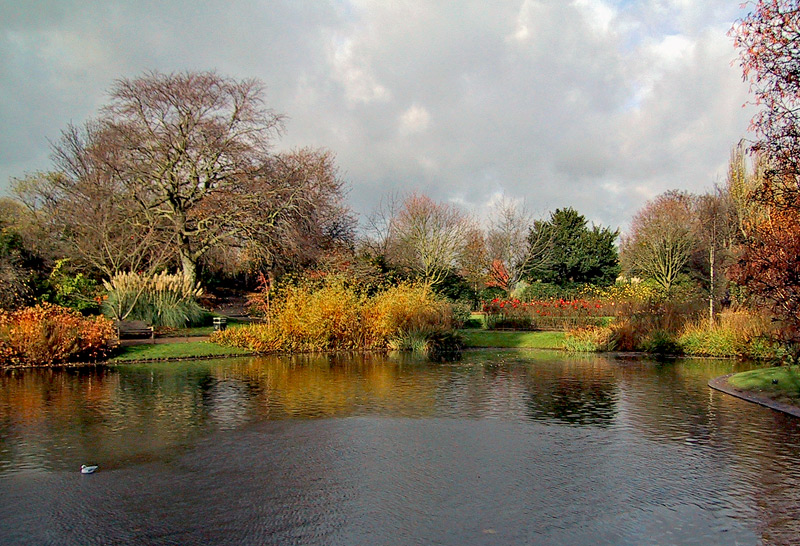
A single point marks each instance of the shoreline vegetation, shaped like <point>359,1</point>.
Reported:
<point>777,386</point>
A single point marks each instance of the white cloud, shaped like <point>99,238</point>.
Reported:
<point>414,120</point>
<point>354,74</point>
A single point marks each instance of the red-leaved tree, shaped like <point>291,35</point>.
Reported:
<point>770,269</point>
<point>768,39</point>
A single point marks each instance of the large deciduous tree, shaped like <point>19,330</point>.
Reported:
<point>661,238</point>
<point>769,46</point>
<point>184,161</point>
<point>717,230</point>
<point>22,255</point>
<point>576,253</point>
<point>770,269</point>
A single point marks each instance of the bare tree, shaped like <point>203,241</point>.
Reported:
<point>717,226</point>
<point>378,226</point>
<point>191,152</point>
<point>661,238</point>
<point>97,221</point>
<point>429,237</point>
<point>513,247</point>
<point>474,260</point>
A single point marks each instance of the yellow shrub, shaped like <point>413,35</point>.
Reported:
<point>408,308</point>
<point>334,316</point>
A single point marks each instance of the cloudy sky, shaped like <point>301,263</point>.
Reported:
<point>595,104</point>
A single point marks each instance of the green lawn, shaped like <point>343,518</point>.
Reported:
<point>192,349</point>
<point>786,387</point>
<point>472,338</point>
<point>522,340</point>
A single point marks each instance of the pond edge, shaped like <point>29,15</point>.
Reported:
<point>721,384</point>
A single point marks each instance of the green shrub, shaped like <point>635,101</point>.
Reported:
<point>764,348</point>
<point>76,291</point>
<point>461,313</point>
<point>661,342</point>
<point>546,291</point>
<point>473,323</point>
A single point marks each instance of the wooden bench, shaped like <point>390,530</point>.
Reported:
<point>134,328</point>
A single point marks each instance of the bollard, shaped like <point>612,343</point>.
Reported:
<point>220,323</point>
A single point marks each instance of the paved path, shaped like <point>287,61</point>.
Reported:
<point>160,340</point>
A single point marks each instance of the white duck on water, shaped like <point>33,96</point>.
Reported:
<point>88,468</point>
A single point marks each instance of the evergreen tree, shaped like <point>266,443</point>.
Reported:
<point>577,254</point>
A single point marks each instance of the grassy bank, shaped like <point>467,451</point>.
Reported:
<point>513,339</point>
<point>202,349</point>
<point>163,351</point>
<point>778,383</point>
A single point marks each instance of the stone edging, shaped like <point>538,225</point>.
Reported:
<point>721,384</point>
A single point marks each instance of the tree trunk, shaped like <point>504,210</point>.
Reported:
<point>711,288</point>
<point>188,265</point>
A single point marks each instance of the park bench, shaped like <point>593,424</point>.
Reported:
<point>134,328</point>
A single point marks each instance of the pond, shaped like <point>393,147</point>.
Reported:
<point>503,447</point>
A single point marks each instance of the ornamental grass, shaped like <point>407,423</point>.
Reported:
<point>734,333</point>
<point>159,300</point>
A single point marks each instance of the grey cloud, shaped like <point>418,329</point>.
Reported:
<point>542,100</point>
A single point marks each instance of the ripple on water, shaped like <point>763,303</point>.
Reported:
<point>511,447</point>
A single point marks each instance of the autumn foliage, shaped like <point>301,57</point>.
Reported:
<point>50,334</point>
<point>770,269</point>
<point>333,316</point>
<point>554,314</point>
<point>768,40</point>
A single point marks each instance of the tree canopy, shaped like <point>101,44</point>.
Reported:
<point>179,164</point>
<point>661,238</point>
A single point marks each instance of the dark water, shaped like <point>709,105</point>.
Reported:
<point>504,447</point>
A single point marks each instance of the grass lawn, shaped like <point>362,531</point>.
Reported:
<point>779,383</point>
<point>157,351</point>
<point>522,340</point>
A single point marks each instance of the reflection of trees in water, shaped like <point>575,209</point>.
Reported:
<point>37,405</point>
<point>574,392</point>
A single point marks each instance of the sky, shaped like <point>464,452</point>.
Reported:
<point>598,105</point>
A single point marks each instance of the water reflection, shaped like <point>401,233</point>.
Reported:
<point>581,431</point>
<point>51,418</point>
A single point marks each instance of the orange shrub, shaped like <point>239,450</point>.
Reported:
<point>50,334</point>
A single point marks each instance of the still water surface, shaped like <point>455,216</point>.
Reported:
<point>504,447</point>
